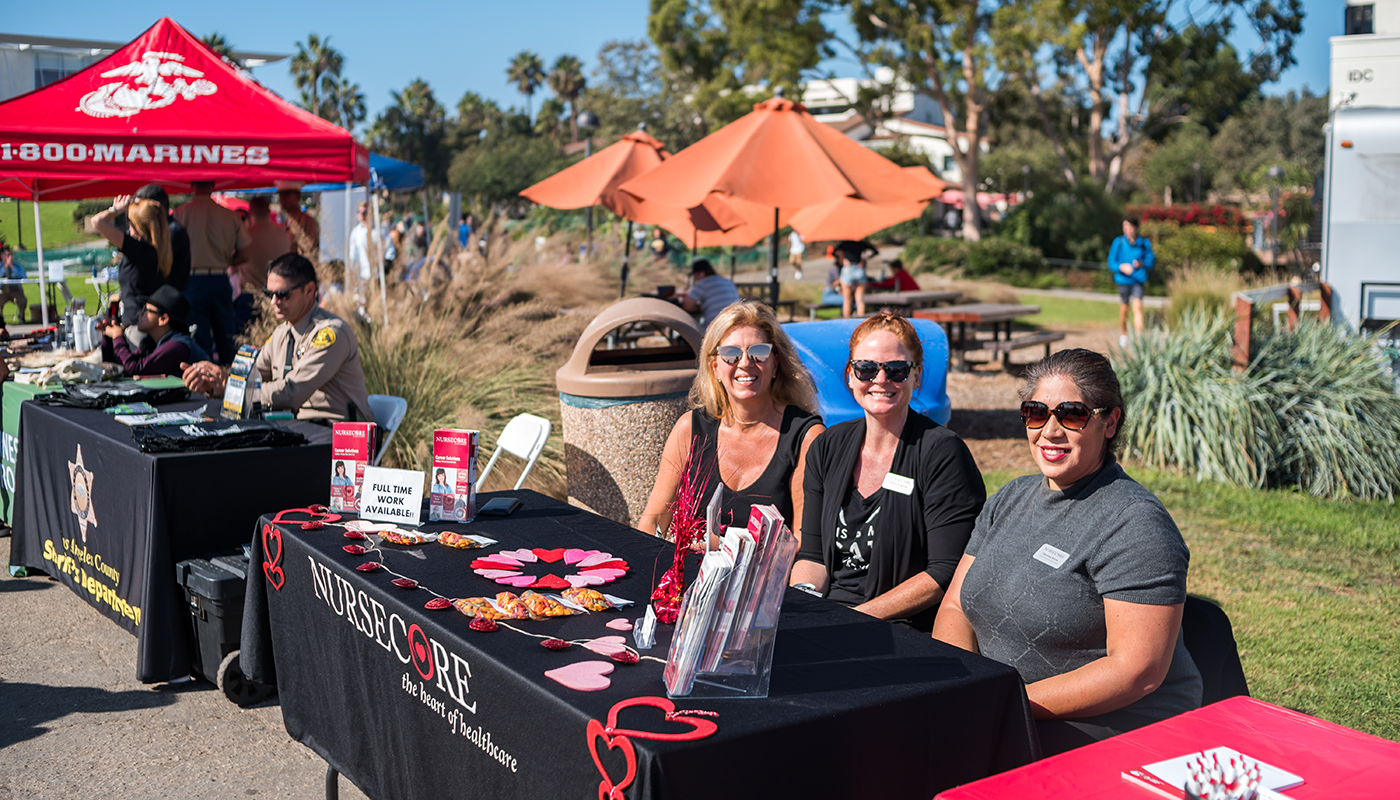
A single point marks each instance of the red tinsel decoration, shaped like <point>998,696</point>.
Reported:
<point>354,549</point>
<point>405,583</point>
<point>687,528</point>
<point>438,604</point>
<point>483,624</point>
<point>624,657</point>
<point>555,644</point>
<point>368,566</point>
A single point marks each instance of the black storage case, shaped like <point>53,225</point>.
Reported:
<point>214,588</point>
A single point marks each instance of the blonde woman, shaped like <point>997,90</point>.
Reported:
<point>752,421</point>
<point>145,243</point>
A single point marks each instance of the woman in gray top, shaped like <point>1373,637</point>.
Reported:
<point>1077,576</point>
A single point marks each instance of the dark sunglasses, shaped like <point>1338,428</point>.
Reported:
<point>895,371</point>
<point>758,353</point>
<point>282,294</point>
<point>1072,414</point>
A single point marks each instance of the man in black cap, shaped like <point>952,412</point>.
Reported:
<point>163,318</point>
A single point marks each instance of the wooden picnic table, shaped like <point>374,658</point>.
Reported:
<point>999,316</point>
<point>905,302</point>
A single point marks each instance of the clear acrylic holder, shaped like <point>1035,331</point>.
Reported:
<point>746,663</point>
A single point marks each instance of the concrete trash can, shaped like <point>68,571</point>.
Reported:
<point>619,395</point>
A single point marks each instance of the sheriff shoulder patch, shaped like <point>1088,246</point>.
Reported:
<point>323,338</point>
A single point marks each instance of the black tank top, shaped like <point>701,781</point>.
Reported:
<point>773,487</point>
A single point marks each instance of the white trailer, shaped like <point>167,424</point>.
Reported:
<point>1361,216</point>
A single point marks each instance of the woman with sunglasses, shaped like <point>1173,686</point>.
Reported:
<point>751,424</point>
<point>890,498</point>
<point>1077,576</point>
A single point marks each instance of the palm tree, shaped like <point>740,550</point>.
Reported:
<point>342,102</point>
<point>526,72</point>
<point>567,82</point>
<point>312,61</point>
<point>216,42</point>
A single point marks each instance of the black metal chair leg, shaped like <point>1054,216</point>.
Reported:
<point>332,783</point>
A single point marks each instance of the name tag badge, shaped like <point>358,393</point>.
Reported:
<point>899,483</point>
<point>1052,555</point>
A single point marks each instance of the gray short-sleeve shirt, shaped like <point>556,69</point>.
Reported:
<point>1046,559</point>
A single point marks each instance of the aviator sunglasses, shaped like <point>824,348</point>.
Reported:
<point>282,294</point>
<point>895,371</point>
<point>1073,415</point>
<point>758,353</point>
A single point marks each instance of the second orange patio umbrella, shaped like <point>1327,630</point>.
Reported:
<point>854,218</point>
<point>595,181</point>
<point>776,161</point>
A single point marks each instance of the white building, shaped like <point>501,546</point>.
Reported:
<point>1361,200</point>
<point>908,115</point>
<point>31,62</point>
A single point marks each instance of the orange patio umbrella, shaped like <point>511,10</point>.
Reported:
<point>772,163</point>
<point>854,218</point>
<point>595,181</point>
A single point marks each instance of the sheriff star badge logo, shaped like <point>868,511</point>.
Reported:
<point>80,500</point>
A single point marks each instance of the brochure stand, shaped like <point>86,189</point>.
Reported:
<point>723,646</point>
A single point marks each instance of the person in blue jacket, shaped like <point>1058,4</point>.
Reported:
<point>1130,257</point>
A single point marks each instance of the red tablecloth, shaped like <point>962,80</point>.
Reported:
<point>1334,762</point>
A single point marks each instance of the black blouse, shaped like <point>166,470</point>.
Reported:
<point>773,487</point>
<point>925,530</point>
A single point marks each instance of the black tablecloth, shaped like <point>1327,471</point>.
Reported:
<point>148,513</point>
<point>857,707</point>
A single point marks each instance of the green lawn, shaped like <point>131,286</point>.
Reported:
<point>76,285</point>
<point>57,219</point>
<point>1312,588</point>
<point>1060,311</point>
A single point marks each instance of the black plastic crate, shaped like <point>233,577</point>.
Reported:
<point>214,588</point>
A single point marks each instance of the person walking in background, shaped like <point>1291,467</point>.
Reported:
<point>12,292</point>
<point>303,228</point>
<point>362,241</point>
<point>796,249</point>
<point>659,246</point>
<point>464,230</point>
<point>266,242</point>
<point>853,280</point>
<point>1130,257</point>
<point>217,240</point>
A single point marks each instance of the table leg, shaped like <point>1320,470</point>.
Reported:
<point>332,783</point>
<point>1006,354</point>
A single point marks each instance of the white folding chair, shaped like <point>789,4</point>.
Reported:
<point>524,437</point>
<point>388,412</point>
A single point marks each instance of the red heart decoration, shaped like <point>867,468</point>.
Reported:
<point>420,652</point>
<point>551,582</point>
<point>549,556</point>
<point>615,563</point>
<point>700,727</point>
<point>322,516</point>
<point>607,789</point>
<point>486,563</point>
<point>272,563</point>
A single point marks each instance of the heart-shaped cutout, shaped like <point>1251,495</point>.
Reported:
<point>574,555</point>
<point>518,581</point>
<point>607,645</point>
<point>493,574</point>
<point>523,555</point>
<point>548,556</point>
<point>584,579</point>
<point>700,727</point>
<point>607,788</point>
<point>583,676</point>
<point>496,562</point>
<point>272,561</point>
<point>605,574</point>
<point>619,625</point>
<point>323,516</point>
<point>612,563</point>
<point>551,582</point>
<point>596,558</point>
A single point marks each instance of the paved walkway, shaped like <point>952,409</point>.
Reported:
<point>74,722</point>
<point>1078,294</point>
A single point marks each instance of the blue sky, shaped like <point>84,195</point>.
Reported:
<point>460,46</point>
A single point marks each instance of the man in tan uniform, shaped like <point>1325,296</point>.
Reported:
<point>310,364</point>
<point>217,239</point>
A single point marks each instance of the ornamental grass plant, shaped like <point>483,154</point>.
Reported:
<point>1316,409</point>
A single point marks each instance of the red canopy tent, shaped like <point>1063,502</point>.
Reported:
<point>164,109</point>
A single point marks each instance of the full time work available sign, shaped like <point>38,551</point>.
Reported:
<point>392,495</point>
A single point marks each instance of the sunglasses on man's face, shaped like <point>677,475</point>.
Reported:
<point>895,371</point>
<point>1073,415</point>
<point>282,294</point>
<point>758,353</point>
